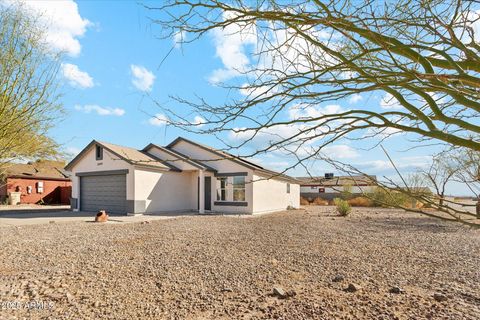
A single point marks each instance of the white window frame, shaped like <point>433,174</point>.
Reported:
<point>219,188</point>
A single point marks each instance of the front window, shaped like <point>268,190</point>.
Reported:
<point>231,188</point>
<point>238,188</point>
<point>288,187</point>
<point>222,189</point>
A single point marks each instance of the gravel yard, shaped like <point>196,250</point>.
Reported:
<point>226,267</point>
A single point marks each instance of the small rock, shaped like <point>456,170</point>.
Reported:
<point>227,290</point>
<point>96,304</point>
<point>353,287</point>
<point>279,292</point>
<point>396,290</point>
<point>145,222</point>
<point>338,278</point>
<point>69,297</point>
<point>51,222</point>
<point>440,297</point>
<point>291,293</point>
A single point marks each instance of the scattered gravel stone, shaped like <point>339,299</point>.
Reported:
<point>338,278</point>
<point>178,268</point>
<point>396,290</point>
<point>279,292</point>
<point>69,297</point>
<point>439,297</point>
<point>353,287</point>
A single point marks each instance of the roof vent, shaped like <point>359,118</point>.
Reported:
<point>328,175</point>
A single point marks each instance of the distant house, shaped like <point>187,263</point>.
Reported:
<point>331,186</point>
<point>182,176</point>
<point>41,181</point>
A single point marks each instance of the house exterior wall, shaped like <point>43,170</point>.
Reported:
<point>152,190</point>
<point>336,189</point>
<point>88,163</point>
<point>271,195</point>
<point>54,191</point>
<point>165,191</point>
<point>222,166</point>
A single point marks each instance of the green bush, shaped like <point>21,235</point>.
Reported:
<point>384,198</point>
<point>343,208</point>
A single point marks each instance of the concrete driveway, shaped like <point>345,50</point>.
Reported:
<point>19,218</point>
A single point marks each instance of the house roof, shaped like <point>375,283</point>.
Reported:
<point>130,155</point>
<point>145,159</point>
<point>180,156</point>
<point>40,169</point>
<point>339,180</point>
<point>236,159</point>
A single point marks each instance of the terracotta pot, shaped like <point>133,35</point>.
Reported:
<point>101,216</point>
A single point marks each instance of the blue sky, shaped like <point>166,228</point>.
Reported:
<point>112,73</point>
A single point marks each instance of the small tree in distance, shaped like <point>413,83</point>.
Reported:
<point>29,104</point>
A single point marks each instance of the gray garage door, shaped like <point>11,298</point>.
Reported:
<point>107,193</point>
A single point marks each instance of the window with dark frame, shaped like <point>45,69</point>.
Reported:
<point>288,187</point>
<point>99,153</point>
<point>231,188</point>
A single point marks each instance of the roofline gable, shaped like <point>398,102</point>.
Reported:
<point>236,159</point>
<point>69,166</point>
<point>233,158</point>
<point>180,156</point>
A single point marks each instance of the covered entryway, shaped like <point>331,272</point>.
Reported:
<point>104,192</point>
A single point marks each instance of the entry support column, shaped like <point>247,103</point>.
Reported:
<point>201,192</point>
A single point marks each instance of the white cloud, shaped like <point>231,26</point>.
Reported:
<point>340,151</point>
<point>179,37</point>
<point>355,98</point>
<point>61,21</point>
<point>301,111</point>
<point>471,19</point>
<point>413,162</point>
<point>72,152</point>
<point>389,102</point>
<point>76,77</point>
<point>253,91</point>
<point>142,78</point>
<point>230,44</point>
<point>158,120</point>
<point>199,121</point>
<point>102,111</point>
<point>310,134</point>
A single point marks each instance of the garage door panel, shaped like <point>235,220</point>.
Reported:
<point>107,192</point>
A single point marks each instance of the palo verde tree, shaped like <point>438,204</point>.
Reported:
<point>28,99</point>
<point>422,56</point>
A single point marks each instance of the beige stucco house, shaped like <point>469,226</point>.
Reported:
<point>183,176</point>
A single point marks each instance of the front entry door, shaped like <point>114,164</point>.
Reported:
<point>208,193</point>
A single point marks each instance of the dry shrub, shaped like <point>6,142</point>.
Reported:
<point>320,202</point>
<point>304,201</point>
<point>360,202</point>
<point>343,208</point>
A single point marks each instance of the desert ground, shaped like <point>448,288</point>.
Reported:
<point>374,264</point>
